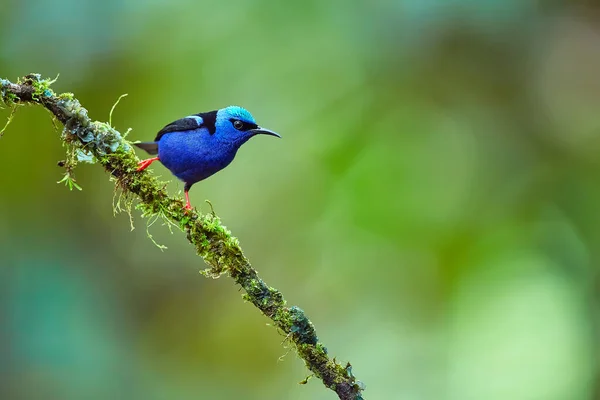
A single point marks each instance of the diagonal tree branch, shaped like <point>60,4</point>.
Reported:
<point>99,142</point>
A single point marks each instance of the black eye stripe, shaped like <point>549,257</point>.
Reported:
<point>246,126</point>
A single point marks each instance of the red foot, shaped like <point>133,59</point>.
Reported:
<point>142,165</point>
<point>188,206</point>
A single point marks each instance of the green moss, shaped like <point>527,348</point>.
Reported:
<point>301,328</point>
<point>41,86</point>
<point>305,380</point>
<point>6,96</point>
<point>69,182</point>
<point>9,119</point>
<point>66,96</point>
<point>9,98</point>
<point>123,202</point>
<point>113,109</point>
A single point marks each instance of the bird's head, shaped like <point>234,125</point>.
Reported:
<point>236,125</point>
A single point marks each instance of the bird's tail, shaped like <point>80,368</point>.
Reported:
<point>150,147</point>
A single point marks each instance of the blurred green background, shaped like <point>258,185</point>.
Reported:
<point>433,205</point>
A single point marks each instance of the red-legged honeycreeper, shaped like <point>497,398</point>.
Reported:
<point>196,147</point>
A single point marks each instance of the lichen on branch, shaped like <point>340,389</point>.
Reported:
<point>98,142</point>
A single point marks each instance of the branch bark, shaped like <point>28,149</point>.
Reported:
<point>213,242</point>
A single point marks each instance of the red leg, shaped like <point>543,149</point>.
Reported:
<point>142,165</point>
<point>188,206</point>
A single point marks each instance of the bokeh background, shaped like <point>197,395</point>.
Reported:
<point>433,206</point>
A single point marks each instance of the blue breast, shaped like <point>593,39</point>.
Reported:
<point>194,155</point>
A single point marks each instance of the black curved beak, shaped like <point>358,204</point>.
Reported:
<point>263,131</point>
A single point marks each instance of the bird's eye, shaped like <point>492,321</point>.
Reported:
<point>237,124</point>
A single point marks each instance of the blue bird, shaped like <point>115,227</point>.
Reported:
<point>196,147</point>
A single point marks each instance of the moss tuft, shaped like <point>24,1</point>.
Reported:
<point>9,119</point>
<point>302,329</point>
<point>41,86</point>
<point>7,97</point>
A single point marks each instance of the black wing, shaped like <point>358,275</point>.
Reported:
<point>195,121</point>
<point>183,124</point>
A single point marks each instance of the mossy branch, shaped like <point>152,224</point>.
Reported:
<point>95,141</point>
